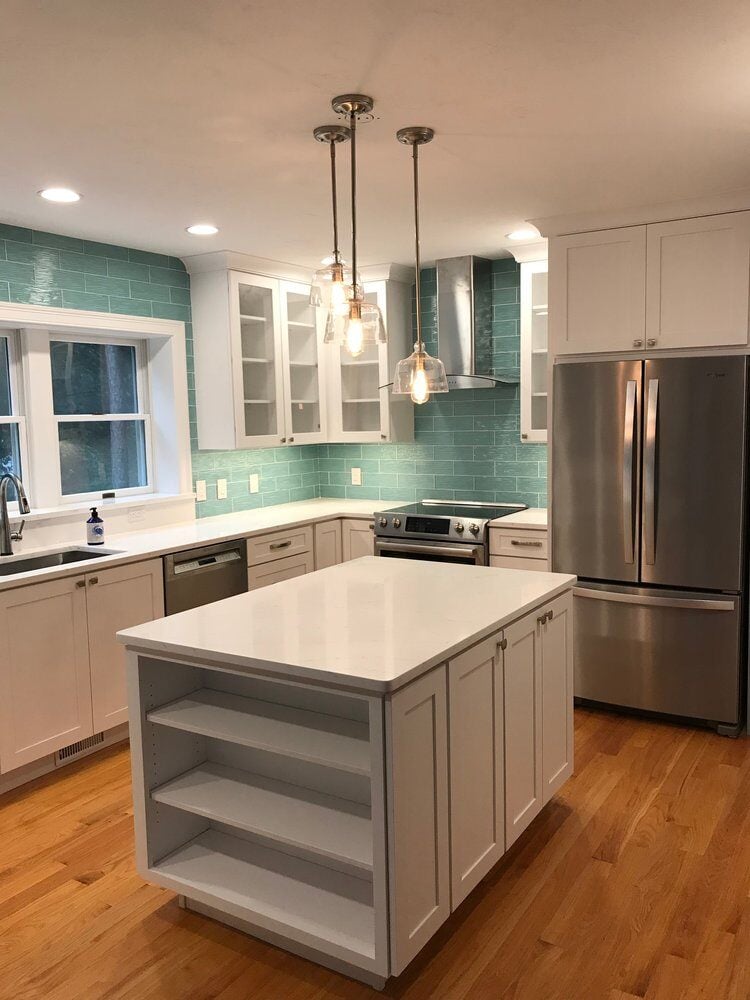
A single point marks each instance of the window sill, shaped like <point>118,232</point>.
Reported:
<point>74,510</point>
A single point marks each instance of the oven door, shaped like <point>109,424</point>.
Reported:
<point>471,555</point>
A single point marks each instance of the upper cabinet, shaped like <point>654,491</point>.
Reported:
<point>669,285</point>
<point>597,290</point>
<point>264,377</point>
<point>534,351</point>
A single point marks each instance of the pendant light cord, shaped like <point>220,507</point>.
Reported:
<point>418,288</point>
<point>334,199</point>
<point>353,127</point>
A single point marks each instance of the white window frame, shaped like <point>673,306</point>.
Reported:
<point>143,415</point>
<point>162,394</point>
<point>17,415</point>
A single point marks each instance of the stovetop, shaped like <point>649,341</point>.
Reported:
<point>441,520</point>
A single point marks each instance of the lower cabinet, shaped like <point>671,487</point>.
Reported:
<point>62,674</point>
<point>328,544</point>
<point>357,538</point>
<point>279,569</point>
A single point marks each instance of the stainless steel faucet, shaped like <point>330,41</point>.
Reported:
<point>7,537</point>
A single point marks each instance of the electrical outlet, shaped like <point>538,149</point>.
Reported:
<point>200,490</point>
<point>221,489</point>
<point>356,477</point>
<point>255,483</point>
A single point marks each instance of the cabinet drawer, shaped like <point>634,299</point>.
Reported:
<point>280,569</point>
<point>516,562</point>
<point>279,545</point>
<point>524,544</point>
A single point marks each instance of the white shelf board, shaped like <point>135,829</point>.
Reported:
<point>539,394</point>
<point>303,364</point>
<point>540,350</point>
<point>300,326</point>
<point>331,827</point>
<point>295,898</point>
<point>307,402</point>
<point>356,364</point>
<point>253,319</point>
<point>363,400</point>
<point>257,361</point>
<point>292,732</point>
<point>263,401</point>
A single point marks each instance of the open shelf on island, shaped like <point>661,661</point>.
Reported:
<point>282,893</point>
<point>325,825</point>
<point>293,732</point>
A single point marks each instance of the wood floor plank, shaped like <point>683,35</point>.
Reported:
<point>633,884</point>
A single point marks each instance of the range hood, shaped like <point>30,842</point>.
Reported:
<point>464,323</point>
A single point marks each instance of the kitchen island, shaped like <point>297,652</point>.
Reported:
<point>334,762</point>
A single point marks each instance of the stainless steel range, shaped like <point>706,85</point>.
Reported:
<point>440,530</point>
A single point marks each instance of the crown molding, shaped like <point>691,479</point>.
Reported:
<point>528,252</point>
<point>585,222</point>
<point>232,260</point>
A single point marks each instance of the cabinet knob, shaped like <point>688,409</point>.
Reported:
<point>80,583</point>
<point>550,615</point>
<point>524,436</point>
<point>291,439</point>
<point>651,342</point>
<point>541,619</point>
<point>637,343</point>
<point>382,437</point>
<point>503,644</point>
<point>93,580</point>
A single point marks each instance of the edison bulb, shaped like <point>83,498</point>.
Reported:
<point>420,391</point>
<point>354,336</point>
<point>338,297</point>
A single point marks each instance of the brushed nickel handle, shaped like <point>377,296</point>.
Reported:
<point>532,545</point>
<point>649,473</point>
<point>280,545</point>
<point>628,469</point>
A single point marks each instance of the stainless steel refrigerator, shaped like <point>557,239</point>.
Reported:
<point>649,510</point>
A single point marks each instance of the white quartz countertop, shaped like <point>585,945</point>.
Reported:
<point>370,624</point>
<point>534,517</point>
<point>134,545</point>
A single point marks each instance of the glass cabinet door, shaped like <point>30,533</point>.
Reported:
<point>534,351</point>
<point>360,415</point>
<point>261,403</point>
<point>305,403</point>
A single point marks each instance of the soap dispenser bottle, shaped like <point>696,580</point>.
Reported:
<point>95,529</point>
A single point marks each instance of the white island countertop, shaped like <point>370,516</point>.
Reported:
<point>371,624</point>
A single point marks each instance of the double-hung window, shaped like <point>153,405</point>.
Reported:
<point>101,412</point>
<point>12,423</point>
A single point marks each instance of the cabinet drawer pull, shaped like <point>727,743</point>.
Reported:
<point>371,526</point>
<point>550,615</point>
<point>503,644</point>
<point>280,545</point>
<point>532,545</point>
<point>80,583</point>
<point>93,580</point>
<point>541,619</point>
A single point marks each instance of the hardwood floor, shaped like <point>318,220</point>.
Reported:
<point>633,883</point>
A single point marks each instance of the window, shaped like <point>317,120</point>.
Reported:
<point>103,427</point>
<point>12,424</point>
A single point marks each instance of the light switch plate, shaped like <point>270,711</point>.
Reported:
<point>356,477</point>
<point>255,483</point>
<point>221,489</point>
<point>200,490</point>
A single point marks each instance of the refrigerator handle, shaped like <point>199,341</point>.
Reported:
<point>696,604</point>
<point>628,522</point>
<point>649,472</point>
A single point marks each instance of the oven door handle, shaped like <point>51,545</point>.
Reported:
<point>467,552</point>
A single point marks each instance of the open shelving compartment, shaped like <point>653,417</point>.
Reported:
<point>258,359</point>
<point>257,802</point>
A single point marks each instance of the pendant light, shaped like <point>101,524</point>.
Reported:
<point>359,323</point>
<point>332,285</point>
<point>419,375</point>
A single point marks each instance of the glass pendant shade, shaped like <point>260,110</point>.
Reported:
<point>331,288</point>
<point>419,376</point>
<point>356,327</point>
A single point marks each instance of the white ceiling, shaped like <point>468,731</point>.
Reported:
<point>168,112</point>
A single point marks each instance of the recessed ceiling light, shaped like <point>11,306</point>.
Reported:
<point>523,234</point>
<point>202,229</point>
<point>62,195</point>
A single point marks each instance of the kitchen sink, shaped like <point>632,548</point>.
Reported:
<point>11,565</point>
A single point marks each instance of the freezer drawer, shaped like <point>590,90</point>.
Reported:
<point>674,652</point>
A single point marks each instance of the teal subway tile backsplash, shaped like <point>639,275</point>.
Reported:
<point>467,443</point>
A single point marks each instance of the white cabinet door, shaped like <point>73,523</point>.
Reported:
<point>45,693</point>
<point>117,598</point>
<point>257,361</point>
<point>279,569</point>
<point>418,862</point>
<point>557,695</point>
<point>304,387</point>
<point>698,282</point>
<point>597,290</point>
<point>328,550</point>
<point>358,538</point>
<point>522,668</point>
<point>533,389</point>
<point>477,793</point>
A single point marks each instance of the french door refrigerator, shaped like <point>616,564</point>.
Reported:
<point>649,511</point>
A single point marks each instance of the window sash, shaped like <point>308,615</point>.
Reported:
<point>16,415</point>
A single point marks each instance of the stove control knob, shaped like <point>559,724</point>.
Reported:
<point>383,522</point>
<point>396,522</point>
<point>459,527</point>
<point>474,529</point>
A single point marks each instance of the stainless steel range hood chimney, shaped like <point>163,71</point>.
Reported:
<point>464,320</point>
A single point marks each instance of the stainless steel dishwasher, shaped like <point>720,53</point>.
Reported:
<point>201,576</point>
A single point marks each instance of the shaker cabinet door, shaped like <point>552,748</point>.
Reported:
<point>45,694</point>
<point>557,695</point>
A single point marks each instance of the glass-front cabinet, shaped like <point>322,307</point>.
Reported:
<point>534,351</point>
<point>264,377</point>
